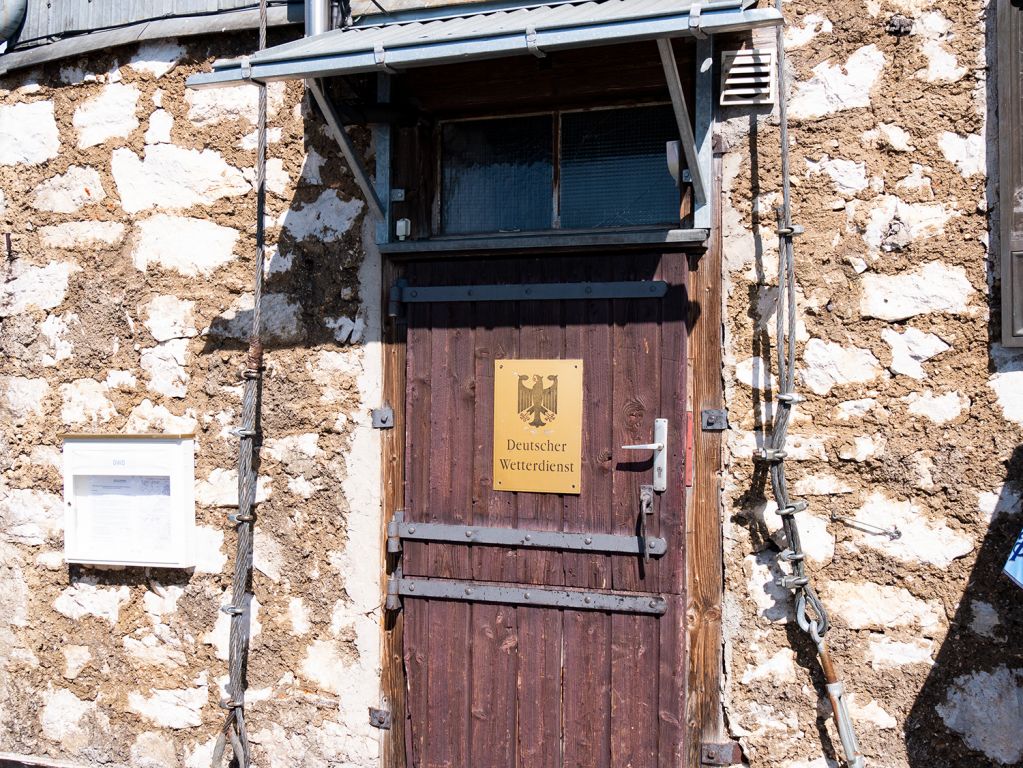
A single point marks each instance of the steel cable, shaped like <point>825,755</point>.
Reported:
<point>234,729</point>
<point>810,612</point>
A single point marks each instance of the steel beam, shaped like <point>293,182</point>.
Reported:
<point>348,149</point>
<point>685,127</point>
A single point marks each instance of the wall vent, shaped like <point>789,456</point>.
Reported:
<point>747,77</point>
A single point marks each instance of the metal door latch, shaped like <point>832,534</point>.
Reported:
<point>646,507</point>
<point>728,753</point>
<point>714,420</point>
<point>660,448</point>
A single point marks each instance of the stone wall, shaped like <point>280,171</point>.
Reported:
<point>914,417</point>
<point>125,298</point>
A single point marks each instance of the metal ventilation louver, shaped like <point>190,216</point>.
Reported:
<point>747,77</point>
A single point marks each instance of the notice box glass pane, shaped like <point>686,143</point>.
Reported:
<point>129,500</point>
<point>614,170</point>
<point>497,175</point>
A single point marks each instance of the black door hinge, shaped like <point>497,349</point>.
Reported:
<point>729,753</point>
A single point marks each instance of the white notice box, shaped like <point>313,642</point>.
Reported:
<point>129,500</point>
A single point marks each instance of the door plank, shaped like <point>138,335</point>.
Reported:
<point>495,656</point>
<point>587,690</point>
<point>634,696</point>
<point>539,688</point>
<point>671,684</point>
<point>417,409</point>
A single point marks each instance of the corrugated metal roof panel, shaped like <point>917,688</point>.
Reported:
<point>411,42</point>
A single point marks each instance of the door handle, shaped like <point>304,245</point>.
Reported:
<point>660,449</point>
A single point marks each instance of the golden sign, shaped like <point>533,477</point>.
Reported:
<point>538,425</point>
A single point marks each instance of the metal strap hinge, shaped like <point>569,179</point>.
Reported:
<point>382,417</point>
<point>728,753</point>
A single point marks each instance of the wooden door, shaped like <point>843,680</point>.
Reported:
<point>497,685</point>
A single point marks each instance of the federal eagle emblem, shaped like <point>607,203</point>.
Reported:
<point>538,405</point>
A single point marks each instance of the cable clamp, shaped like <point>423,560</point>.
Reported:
<point>770,455</point>
<point>532,45</point>
<point>792,582</point>
<point>242,432</point>
<point>791,398</point>
<point>250,373</point>
<point>791,231</point>
<point>231,610</point>
<point>791,557</point>
<point>790,510</point>
<point>241,518</point>
<point>230,704</point>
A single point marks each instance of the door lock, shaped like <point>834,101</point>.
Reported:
<point>660,449</point>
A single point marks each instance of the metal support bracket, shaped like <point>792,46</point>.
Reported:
<point>401,292</point>
<point>728,753</point>
<point>714,420</point>
<point>519,537</point>
<point>382,417</point>
<point>543,597</point>
<point>380,718</point>
<point>685,126</point>
<point>531,43</point>
<point>347,147</point>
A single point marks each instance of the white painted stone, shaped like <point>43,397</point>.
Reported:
<point>163,602</point>
<point>778,669</point>
<point>1005,500</point>
<point>46,456</point>
<point>931,288</point>
<point>827,365</point>
<point>55,329</point>
<point>51,561</point>
<point>66,193</point>
<point>864,605</point>
<point>146,417</point>
<point>120,380</point>
<point>201,755</point>
<point>300,486</point>
<point>151,750</point>
<point>923,470</point>
<point>84,401</point>
<point>29,516</point>
<point>1007,381</point>
<point>28,133</point>
<point>836,88</point>
<point>216,105</point>
<point>754,372</point>
<point>220,489</point>
<point>922,540</point>
<point>76,657</point>
<point>346,330</point>
<point>157,57</point>
<point>81,234</point>
<point>817,541</point>
<point>854,409</point>
<point>326,219</point>
<point>281,319</point>
<point>85,598</point>
<point>107,116</point>
<point>813,24</point>
<point>172,708</point>
<point>312,168</point>
<point>966,153</point>
<point>298,453</point>
<point>168,317</point>
<point>150,652</point>
<point>159,130</point>
<point>772,602</point>
<point>820,485</point>
<point>268,555</point>
<point>871,713</point>
<point>934,31</point>
<point>984,619</point>
<point>849,177</point>
<point>189,246</point>
<point>324,665</point>
<point>219,637</point>
<point>35,287</point>
<point>61,718</point>
<point>22,397</point>
<point>940,409</point>
<point>986,709</point>
<point>886,653</point>
<point>171,177</point>
<point>912,348</point>
<point>277,179</point>
<point>918,180</point>
<point>889,136</point>
<point>891,224</point>
<point>298,615</point>
<point>249,140</point>
<point>207,549</point>
<point>862,447</point>
<point>798,447</point>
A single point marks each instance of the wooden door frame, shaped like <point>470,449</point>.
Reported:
<point>704,562</point>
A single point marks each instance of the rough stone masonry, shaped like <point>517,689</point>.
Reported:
<point>125,299</point>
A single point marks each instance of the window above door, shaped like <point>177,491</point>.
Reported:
<point>565,170</point>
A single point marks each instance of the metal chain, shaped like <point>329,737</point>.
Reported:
<point>234,729</point>
<point>810,612</point>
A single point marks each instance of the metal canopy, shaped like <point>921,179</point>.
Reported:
<point>410,41</point>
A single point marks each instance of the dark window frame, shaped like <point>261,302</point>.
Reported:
<point>436,197</point>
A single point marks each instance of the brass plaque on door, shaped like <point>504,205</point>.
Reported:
<point>538,425</point>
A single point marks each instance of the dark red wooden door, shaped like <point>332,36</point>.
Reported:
<point>494,685</point>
